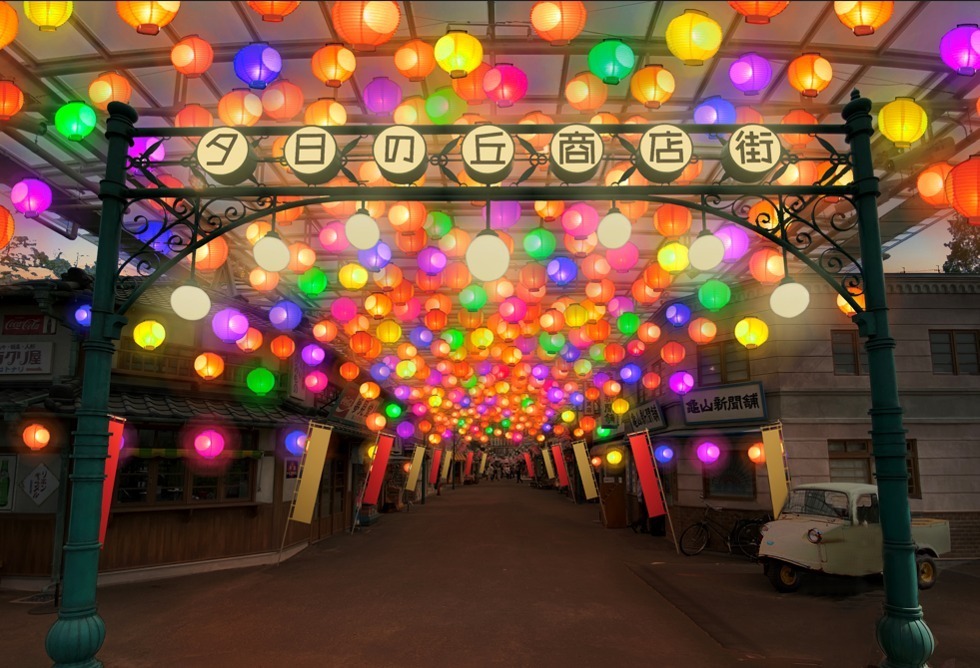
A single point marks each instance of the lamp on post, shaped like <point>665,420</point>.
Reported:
<point>902,633</point>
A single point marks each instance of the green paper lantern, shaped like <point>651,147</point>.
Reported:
<point>393,411</point>
<point>488,430</point>
<point>505,423</point>
<point>628,323</point>
<point>597,351</point>
<point>527,401</point>
<point>611,60</point>
<point>75,120</point>
<point>540,243</point>
<point>603,432</point>
<point>438,225</point>
<point>312,282</point>
<point>551,343</point>
<point>454,338</point>
<point>470,382</point>
<point>714,295</point>
<point>260,381</point>
<point>473,297</point>
<point>444,106</point>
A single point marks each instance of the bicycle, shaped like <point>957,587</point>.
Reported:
<point>744,536</point>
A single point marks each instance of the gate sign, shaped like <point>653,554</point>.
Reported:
<point>576,151</point>
<point>751,152</point>
<point>225,154</point>
<point>311,152</point>
<point>665,150</point>
<point>400,153</point>
<point>488,154</point>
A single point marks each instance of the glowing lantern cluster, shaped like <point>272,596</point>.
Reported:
<point>147,16</point>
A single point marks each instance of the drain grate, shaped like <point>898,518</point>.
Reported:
<point>35,598</point>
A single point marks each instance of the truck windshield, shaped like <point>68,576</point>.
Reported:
<point>817,502</point>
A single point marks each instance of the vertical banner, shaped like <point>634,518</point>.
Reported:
<point>434,473</point>
<point>416,470</point>
<point>446,463</point>
<point>778,472</point>
<point>308,483</point>
<point>643,460</point>
<point>469,464</point>
<point>548,468</point>
<point>483,462</point>
<point>530,464</point>
<point>560,465</point>
<point>116,425</point>
<point>584,469</point>
<point>376,475</point>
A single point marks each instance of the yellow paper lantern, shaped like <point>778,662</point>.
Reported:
<point>48,16</point>
<point>652,85</point>
<point>673,257</point>
<point>863,17</point>
<point>353,276</point>
<point>902,121</point>
<point>389,331</point>
<point>458,53</point>
<point>751,332</point>
<point>693,37</point>
<point>620,406</point>
<point>147,16</point>
<point>149,334</point>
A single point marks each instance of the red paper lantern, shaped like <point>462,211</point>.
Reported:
<point>798,141</point>
<point>349,370</point>
<point>672,220</point>
<point>672,353</point>
<point>193,116</point>
<point>436,320</point>
<point>470,87</point>
<point>759,13</point>
<point>282,100</point>
<point>415,60</point>
<point>963,189</point>
<point>7,227</point>
<point>282,346</point>
<point>931,184</point>
<point>558,22</point>
<point>273,11</point>
<point>36,436</point>
<point>11,99</point>
<point>192,56</point>
<point>651,381</point>
<point>365,25</point>
<point>766,266</point>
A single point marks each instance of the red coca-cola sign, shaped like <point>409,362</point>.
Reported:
<point>27,325</point>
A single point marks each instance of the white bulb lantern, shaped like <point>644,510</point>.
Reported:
<point>487,256</point>
<point>789,299</point>
<point>706,252</point>
<point>271,253</point>
<point>190,302</point>
<point>362,231</point>
<point>614,229</point>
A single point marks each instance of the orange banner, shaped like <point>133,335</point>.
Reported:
<point>530,464</point>
<point>378,467</point>
<point>469,465</point>
<point>434,471</point>
<point>116,425</point>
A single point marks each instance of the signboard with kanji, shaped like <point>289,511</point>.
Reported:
<point>743,402</point>
<point>646,416</point>
<point>664,152</point>
<point>576,152</point>
<point>25,358</point>
<point>751,153</point>
<point>488,154</point>
<point>400,153</point>
<point>40,484</point>
<point>226,155</point>
<point>311,153</point>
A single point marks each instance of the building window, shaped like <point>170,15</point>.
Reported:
<point>731,478</point>
<point>657,392</point>
<point>955,351</point>
<point>721,363</point>
<point>850,358</point>
<point>851,461</point>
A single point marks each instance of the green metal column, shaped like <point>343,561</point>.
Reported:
<point>77,635</point>
<point>902,633</point>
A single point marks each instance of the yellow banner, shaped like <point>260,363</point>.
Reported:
<point>311,470</point>
<point>416,470</point>
<point>584,469</point>
<point>483,463</point>
<point>548,466</point>
<point>772,442</point>
<point>447,459</point>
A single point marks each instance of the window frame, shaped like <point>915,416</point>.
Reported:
<point>741,451</point>
<point>950,335</point>
<point>725,348</point>
<point>859,356</point>
<point>911,461</point>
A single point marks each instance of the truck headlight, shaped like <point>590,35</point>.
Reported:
<point>814,536</point>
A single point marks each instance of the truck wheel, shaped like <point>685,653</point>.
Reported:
<point>925,569</point>
<point>785,577</point>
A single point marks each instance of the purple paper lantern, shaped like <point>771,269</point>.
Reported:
<point>708,452</point>
<point>376,257</point>
<point>503,214</point>
<point>555,395</point>
<point>431,260</point>
<point>539,371</point>
<point>229,325</point>
<point>285,315</point>
<point>601,379</point>
<point>420,337</point>
<point>678,314</point>
<point>405,429</point>
<point>380,371</point>
<point>750,74</point>
<point>31,197</point>
<point>681,382</point>
<point>617,306</point>
<point>343,310</point>
<point>313,354</point>
<point>630,373</point>
<point>435,377</point>
<point>577,398</point>
<point>403,392</point>
<point>960,49</point>
<point>562,270</point>
<point>736,242</point>
<point>624,258</point>
<point>382,95</point>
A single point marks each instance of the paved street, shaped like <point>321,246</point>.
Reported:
<point>498,575</point>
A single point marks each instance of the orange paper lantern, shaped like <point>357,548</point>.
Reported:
<point>932,184</point>
<point>193,116</point>
<point>586,92</point>
<point>365,25</point>
<point>147,16</point>
<point>211,255</point>
<point>963,189</point>
<point>333,64</point>
<point>109,87</point>
<point>240,107</point>
<point>273,11</point>
<point>759,13</point>
<point>283,100</point>
<point>11,99</point>
<point>282,346</point>
<point>192,56</point>
<point>810,74</point>
<point>558,22</point>
<point>415,60</point>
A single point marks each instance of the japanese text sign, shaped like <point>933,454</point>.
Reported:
<point>744,402</point>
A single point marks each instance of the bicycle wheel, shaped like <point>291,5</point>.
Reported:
<point>748,537</point>
<point>694,539</point>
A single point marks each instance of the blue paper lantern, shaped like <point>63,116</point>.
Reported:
<point>380,371</point>
<point>420,337</point>
<point>83,315</point>
<point>715,110</point>
<point>382,95</point>
<point>569,353</point>
<point>295,442</point>
<point>630,373</point>
<point>257,65</point>
<point>562,270</point>
<point>751,73</point>
<point>678,314</point>
<point>285,315</point>
<point>375,258</point>
<point>577,398</point>
<point>150,235</point>
<point>663,453</point>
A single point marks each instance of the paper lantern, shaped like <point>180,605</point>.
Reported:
<point>863,17</point>
<point>750,73</point>
<point>260,381</point>
<point>681,382</point>
<point>415,60</point>
<point>147,16</point>
<point>193,116</point>
<point>708,452</point>
<point>902,121</point>
<point>693,37</point>
<point>282,346</point>
<point>389,331</point>
<point>7,227</point>
<point>624,258</point>
<point>611,60</point>
<point>714,295</point>
<point>736,241</point>
<point>240,107</point>
<point>586,92</point>
<point>376,421</point>
<point>751,332</point>
<point>109,87</point>
<point>273,11</point>
<point>75,120</point>
<point>810,74</point>
<point>580,220</point>
<point>549,210</point>
<point>431,260</point>
<point>325,113</point>
<point>759,13</point>
<point>458,53</point>
<point>333,64</point>
<point>369,391</point>
<point>706,252</point>
<point>149,334</point>
<point>192,56</point>
<point>376,258</point>
<point>11,98</point>
<point>931,184</point>
<point>766,266</point>
<point>378,305</point>
<point>558,22</point>
<point>537,140</point>
<point>285,315</point>
<point>714,110</point>
<point>349,371</point>
<point>209,366</point>
<point>789,299</point>
<point>678,314</point>
<point>962,189</point>
<point>748,116</point>
<point>444,106</point>
<point>407,216</point>
<point>672,220</point>
<point>958,49</point>
<point>312,282</point>
<point>539,243</point>
<point>673,257</point>
<point>505,84</point>
<point>8,24</point>
<point>36,436</point>
<point>470,87</point>
<point>487,257</point>
<point>702,331</point>
<point>798,141</point>
<point>620,406</point>
<point>229,325</point>
<point>211,255</point>
<point>652,86</point>
<point>562,271</point>
<point>282,101</point>
<point>31,197</point>
<point>382,95</point>
<point>412,111</point>
<point>365,25</point>
<point>251,342</point>
<point>257,65</point>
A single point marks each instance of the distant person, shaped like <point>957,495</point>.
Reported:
<point>518,473</point>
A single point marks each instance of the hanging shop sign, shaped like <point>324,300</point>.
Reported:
<point>488,154</point>
<point>647,416</point>
<point>39,484</point>
<point>742,402</point>
<point>664,152</point>
<point>576,152</point>
<point>312,154</point>
<point>226,156</point>
<point>400,153</point>
<point>751,153</point>
<point>25,358</point>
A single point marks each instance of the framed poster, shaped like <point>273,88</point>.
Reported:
<point>8,474</point>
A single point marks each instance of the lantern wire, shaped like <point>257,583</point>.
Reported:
<point>275,203</point>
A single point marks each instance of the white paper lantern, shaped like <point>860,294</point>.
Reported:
<point>706,252</point>
<point>614,229</point>
<point>487,257</point>
<point>271,253</point>
<point>190,302</point>
<point>789,299</point>
<point>362,231</point>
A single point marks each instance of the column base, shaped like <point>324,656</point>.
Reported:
<point>904,638</point>
<point>73,642</point>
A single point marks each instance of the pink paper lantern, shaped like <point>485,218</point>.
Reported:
<point>31,197</point>
<point>708,452</point>
<point>343,309</point>
<point>624,258</point>
<point>620,305</point>
<point>332,238</point>
<point>681,382</point>
<point>209,443</point>
<point>316,381</point>
<point>408,311</point>
<point>505,84</point>
<point>512,309</point>
<point>580,220</point>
